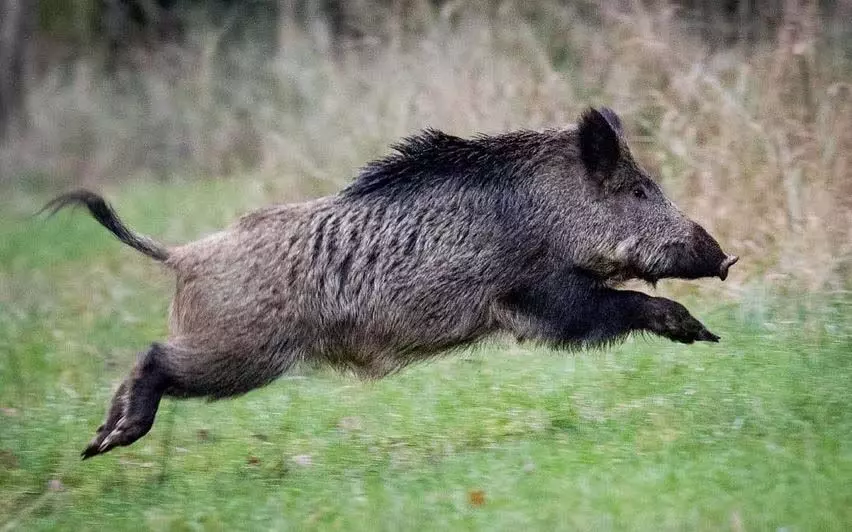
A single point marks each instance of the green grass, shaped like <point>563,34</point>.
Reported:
<point>754,433</point>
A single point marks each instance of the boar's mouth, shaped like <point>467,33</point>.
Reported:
<point>689,266</point>
<point>699,257</point>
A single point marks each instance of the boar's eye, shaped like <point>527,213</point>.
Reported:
<point>639,193</point>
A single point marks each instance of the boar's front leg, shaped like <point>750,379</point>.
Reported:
<point>572,309</point>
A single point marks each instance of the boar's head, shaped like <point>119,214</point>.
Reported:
<point>616,223</point>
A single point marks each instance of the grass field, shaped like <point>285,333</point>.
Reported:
<point>754,433</point>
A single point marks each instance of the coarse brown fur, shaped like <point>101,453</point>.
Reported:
<point>439,245</point>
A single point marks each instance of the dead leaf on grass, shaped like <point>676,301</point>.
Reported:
<point>8,460</point>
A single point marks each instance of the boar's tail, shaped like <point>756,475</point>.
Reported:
<point>107,217</point>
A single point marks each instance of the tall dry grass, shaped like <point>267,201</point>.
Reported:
<point>755,143</point>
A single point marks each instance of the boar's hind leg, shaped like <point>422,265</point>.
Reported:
<point>571,309</point>
<point>134,405</point>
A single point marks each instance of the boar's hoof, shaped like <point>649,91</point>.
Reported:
<point>729,261</point>
<point>691,333</point>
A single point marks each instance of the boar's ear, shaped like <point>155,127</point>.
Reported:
<point>599,133</point>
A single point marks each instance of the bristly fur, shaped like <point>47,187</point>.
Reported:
<point>433,158</point>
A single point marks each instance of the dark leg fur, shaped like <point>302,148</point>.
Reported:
<point>572,309</point>
<point>134,405</point>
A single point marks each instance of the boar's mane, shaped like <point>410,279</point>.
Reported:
<point>433,158</point>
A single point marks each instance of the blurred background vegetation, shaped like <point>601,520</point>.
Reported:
<point>742,108</point>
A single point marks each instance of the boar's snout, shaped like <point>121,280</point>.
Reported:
<point>696,257</point>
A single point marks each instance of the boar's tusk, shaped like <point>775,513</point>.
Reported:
<point>729,261</point>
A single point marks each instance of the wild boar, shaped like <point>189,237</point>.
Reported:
<point>438,245</point>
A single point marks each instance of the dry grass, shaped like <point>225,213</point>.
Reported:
<point>754,143</point>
